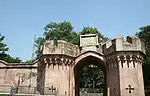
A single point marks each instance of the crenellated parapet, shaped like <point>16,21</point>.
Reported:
<point>132,43</point>
<point>59,47</point>
<point>58,53</point>
<point>124,60</point>
<point>121,59</point>
<point>124,53</point>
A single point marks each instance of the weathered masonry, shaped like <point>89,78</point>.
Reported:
<point>56,72</point>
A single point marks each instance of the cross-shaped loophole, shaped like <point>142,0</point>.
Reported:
<point>130,89</point>
<point>52,89</point>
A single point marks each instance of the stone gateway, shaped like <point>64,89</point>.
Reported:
<point>56,73</point>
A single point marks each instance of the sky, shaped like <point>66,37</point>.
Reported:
<point>20,20</point>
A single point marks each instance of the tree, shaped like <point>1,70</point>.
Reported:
<point>57,31</point>
<point>29,62</point>
<point>8,58</point>
<point>61,31</point>
<point>3,55</point>
<point>91,76</point>
<point>38,42</point>
<point>144,35</point>
<point>64,31</point>
<point>3,47</point>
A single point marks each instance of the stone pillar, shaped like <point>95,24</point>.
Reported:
<point>112,76</point>
<point>72,81</point>
<point>41,76</point>
<point>125,77</point>
<point>130,74</point>
<point>54,73</point>
<point>124,61</point>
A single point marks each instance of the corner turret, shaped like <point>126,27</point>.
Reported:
<point>132,43</point>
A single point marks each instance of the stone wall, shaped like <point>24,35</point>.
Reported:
<point>58,78</point>
<point>53,69</point>
<point>122,60</point>
<point>126,57</point>
<point>18,75</point>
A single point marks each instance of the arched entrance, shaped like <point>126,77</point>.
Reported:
<point>90,75</point>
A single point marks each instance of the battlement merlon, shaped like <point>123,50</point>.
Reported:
<point>59,47</point>
<point>132,43</point>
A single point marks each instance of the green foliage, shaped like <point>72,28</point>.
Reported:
<point>61,31</point>
<point>144,35</point>
<point>29,62</point>
<point>38,42</point>
<point>91,73</point>
<point>3,55</point>
<point>64,31</point>
<point>3,47</point>
<point>8,58</point>
<point>91,79</point>
<point>4,95</point>
<point>57,31</point>
<point>90,30</point>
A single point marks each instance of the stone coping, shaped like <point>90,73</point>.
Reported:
<point>4,64</point>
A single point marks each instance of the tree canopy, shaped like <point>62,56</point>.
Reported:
<point>61,31</point>
<point>64,31</point>
<point>3,50</point>
<point>144,35</point>
<point>8,58</point>
<point>3,47</point>
<point>91,76</point>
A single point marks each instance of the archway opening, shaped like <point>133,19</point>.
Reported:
<point>90,77</point>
